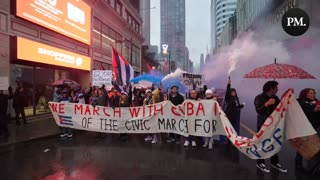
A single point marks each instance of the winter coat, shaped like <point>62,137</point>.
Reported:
<point>262,111</point>
<point>103,100</point>
<point>19,100</point>
<point>87,96</point>
<point>114,100</point>
<point>65,99</point>
<point>232,106</point>
<point>308,106</point>
<point>176,99</point>
<point>56,97</point>
<point>124,103</point>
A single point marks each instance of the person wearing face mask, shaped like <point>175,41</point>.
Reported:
<point>311,108</point>
<point>265,103</point>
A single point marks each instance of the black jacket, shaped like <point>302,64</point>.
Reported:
<point>232,106</point>
<point>114,101</point>
<point>308,106</point>
<point>19,100</point>
<point>3,104</point>
<point>177,99</point>
<point>87,96</point>
<point>103,100</point>
<point>262,111</point>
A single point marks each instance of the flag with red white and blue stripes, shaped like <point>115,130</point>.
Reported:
<point>66,120</point>
<point>122,67</point>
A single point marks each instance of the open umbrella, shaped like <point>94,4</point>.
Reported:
<point>279,71</point>
<point>65,82</point>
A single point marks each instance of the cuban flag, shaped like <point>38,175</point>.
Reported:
<point>66,120</point>
<point>122,67</point>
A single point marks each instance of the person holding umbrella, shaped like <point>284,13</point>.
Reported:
<point>265,103</point>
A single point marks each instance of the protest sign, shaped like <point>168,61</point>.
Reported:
<point>100,77</point>
<point>189,79</point>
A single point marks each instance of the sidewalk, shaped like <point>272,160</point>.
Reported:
<point>38,127</point>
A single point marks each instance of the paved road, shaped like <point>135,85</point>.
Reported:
<point>88,156</point>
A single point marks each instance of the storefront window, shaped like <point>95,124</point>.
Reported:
<point>22,76</point>
<point>37,85</point>
<point>44,91</point>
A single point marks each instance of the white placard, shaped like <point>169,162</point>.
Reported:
<point>100,77</point>
<point>188,79</point>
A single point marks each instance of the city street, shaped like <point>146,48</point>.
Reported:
<point>92,156</point>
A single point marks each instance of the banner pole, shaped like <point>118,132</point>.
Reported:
<point>252,132</point>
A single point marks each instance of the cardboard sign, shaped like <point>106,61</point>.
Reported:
<point>189,79</point>
<point>102,77</point>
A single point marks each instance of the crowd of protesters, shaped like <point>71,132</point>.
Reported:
<point>265,103</point>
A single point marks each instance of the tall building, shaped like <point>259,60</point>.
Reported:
<point>213,25</point>
<point>173,30</point>
<point>145,14</point>
<point>207,59</point>
<point>190,66</point>
<point>221,11</point>
<point>201,62</point>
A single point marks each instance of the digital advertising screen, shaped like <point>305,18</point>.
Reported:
<point>71,18</point>
<point>28,50</point>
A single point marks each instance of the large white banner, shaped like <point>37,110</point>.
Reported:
<point>102,77</point>
<point>198,118</point>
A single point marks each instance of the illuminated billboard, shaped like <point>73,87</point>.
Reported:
<point>71,18</point>
<point>28,50</point>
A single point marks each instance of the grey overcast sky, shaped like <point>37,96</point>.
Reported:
<point>197,27</point>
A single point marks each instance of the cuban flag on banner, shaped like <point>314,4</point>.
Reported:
<point>66,120</point>
<point>122,67</point>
